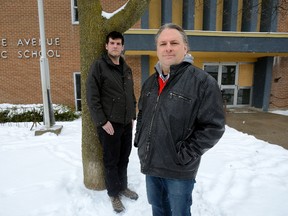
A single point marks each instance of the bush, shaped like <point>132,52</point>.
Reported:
<point>4,116</point>
<point>34,113</point>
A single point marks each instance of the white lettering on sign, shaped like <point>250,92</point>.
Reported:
<point>57,41</point>
<point>3,55</point>
<point>37,42</point>
<point>35,54</point>
<point>3,42</point>
<point>26,44</point>
<point>20,43</point>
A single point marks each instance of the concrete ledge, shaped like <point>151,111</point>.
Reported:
<point>56,129</point>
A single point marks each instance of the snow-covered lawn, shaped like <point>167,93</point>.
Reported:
<point>42,176</point>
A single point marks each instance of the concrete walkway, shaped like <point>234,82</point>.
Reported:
<point>272,128</point>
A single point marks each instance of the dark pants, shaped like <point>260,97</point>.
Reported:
<point>169,197</point>
<point>116,152</point>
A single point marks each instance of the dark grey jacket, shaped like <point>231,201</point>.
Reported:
<point>110,94</point>
<point>174,129</point>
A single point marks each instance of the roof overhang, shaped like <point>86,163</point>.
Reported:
<point>215,44</point>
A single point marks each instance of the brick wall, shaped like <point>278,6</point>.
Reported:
<point>279,88</point>
<point>20,80</point>
<point>283,18</point>
<point>19,75</point>
<point>134,62</point>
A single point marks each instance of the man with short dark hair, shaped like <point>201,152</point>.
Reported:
<point>112,104</point>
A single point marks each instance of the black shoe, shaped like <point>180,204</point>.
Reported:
<point>117,204</point>
<point>129,193</point>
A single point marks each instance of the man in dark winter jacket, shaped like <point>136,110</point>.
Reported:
<point>180,117</point>
<point>112,104</point>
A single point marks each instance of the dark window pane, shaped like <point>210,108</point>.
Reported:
<point>243,96</point>
<point>79,105</point>
<point>228,75</point>
<point>77,80</point>
<point>228,96</point>
<point>212,70</point>
<point>78,86</point>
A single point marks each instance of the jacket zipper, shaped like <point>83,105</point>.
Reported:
<point>150,129</point>
<point>125,98</point>
<point>180,96</point>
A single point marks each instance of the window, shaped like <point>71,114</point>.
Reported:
<point>74,12</point>
<point>244,96</point>
<point>235,81</point>
<point>212,70</point>
<point>228,75</point>
<point>77,90</point>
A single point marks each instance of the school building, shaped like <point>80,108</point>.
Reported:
<point>243,44</point>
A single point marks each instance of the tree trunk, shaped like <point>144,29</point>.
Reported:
<point>93,31</point>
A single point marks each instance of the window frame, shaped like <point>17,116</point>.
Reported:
<point>75,74</point>
<point>74,12</point>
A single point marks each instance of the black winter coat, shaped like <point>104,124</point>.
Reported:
<point>110,94</point>
<point>175,128</point>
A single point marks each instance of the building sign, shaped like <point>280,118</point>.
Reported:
<point>3,53</point>
<point>27,48</point>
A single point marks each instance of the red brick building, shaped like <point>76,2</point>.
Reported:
<point>279,89</point>
<point>20,67</point>
<point>20,79</point>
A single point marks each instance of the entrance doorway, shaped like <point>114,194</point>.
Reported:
<point>229,81</point>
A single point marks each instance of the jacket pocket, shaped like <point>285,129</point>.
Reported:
<point>177,96</point>
<point>185,153</point>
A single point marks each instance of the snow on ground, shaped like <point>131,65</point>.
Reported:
<point>280,112</point>
<point>42,176</point>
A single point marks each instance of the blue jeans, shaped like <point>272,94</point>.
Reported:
<point>169,197</point>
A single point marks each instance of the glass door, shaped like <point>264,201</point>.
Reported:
<point>227,77</point>
<point>228,85</point>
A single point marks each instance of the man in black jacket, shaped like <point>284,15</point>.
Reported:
<point>180,117</point>
<point>112,104</point>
